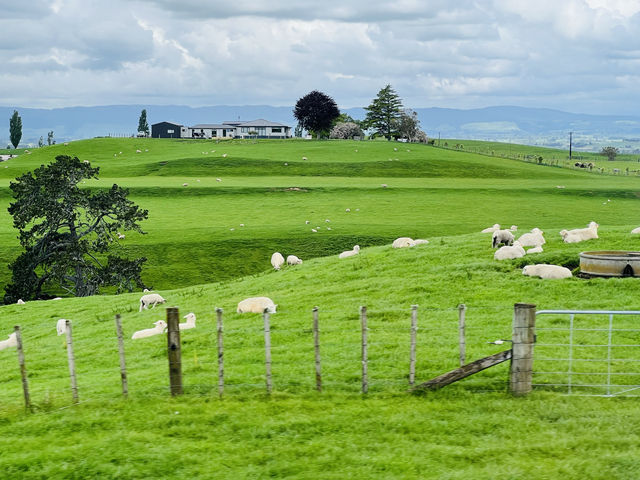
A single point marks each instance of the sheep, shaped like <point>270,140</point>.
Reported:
<point>218,179</point>
<point>502,237</point>
<point>403,242</point>
<point>383,185</point>
<point>509,252</point>
<point>307,222</point>
<point>185,184</point>
<point>580,234</point>
<point>532,239</point>
<point>121,236</point>
<point>496,227</point>
<point>314,230</point>
<point>513,228</point>
<point>190,323</point>
<point>327,221</point>
<point>636,230</point>
<point>347,209</point>
<point>242,224</point>
<point>138,151</point>
<point>256,305</point>
<point>159,328</point>
<point>420,241</point>
<point>61,326</point>
<point>12,341</point>
<point>537,249</point>
<point>328,228</point>
<point>350,253</point>
<point>150,299</point>
<point>293,260</point>
<point>224,155</point>
<point>545,271</point>
<point>304,158</point>
<point>277,260</point>
<point>21,302</point>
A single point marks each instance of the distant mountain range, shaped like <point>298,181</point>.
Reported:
<point>534,126</point>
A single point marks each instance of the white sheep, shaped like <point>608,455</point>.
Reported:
<point>61,326</point>
<point>496,226</point>
<point>509,252</point>
<point>420,241</point>
<point>20,302</point>
<point>403,242</point>
<point>580,234</point>
<point>304,158</point>
<point>160,326</point>
<point>314,230</point>
<point>513,228</point>
<point>190,323</point>
<point>121,236</point>
<point>293,260</point>
<point>146,290</point>
<point>532,239</point>
<point>256,305</point>
<point>224,155</point>
<point>502,237</point>
<point>537,249</point>
<point>546,271</point>
<point>347,209</point>
<point>12,341</point>
<point>307,222</point>
<point>277,260</point>
<point>150,299</point>
<point>218,179</point>
<point>185,184</point>
<point>350,253</point>
<point>636,230</point>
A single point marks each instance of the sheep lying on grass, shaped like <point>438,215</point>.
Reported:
<point>496,226</point>
<point>420,241</point>
<point>151,299</point>
<point>277,260</point>
<point>547,271</point>
<point>293,260</point>
<point>190,323</point>
<point>509,252</point>
<point>403,242</point>
<point>160,326</point>
<point>21,302</point>
<point>537,249</point>
<point>636,230</point>
<point>532,239</point>
<point>12,341</point>
<point>256,305</point>
<point>350,253</point>
<point>502,237</point>
<point>580,234</point>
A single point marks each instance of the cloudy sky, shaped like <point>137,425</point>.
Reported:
<point>575,55</point>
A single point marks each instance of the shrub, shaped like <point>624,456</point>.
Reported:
<point>346,130</point>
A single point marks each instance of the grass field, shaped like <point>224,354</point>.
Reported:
<point>472,429</point>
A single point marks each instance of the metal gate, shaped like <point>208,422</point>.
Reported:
<point>588,352</point>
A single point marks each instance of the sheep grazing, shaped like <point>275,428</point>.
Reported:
<point>502,237</point>
<point>218,179</point>
<point>636,230</point>
<point>151,299</point>
<point>307,222</point>
<point>190,323</point>
<point>509,252</point>
<point>20,302</point>
<point>293,260</point>
<point>495,227</point>
<point>546,271</point>
<point>61,326</point>
<point>532,239</point>
<point>256,305</point>
<point>580,234</point>
<point>537,249</point>
<point>277,260</point>
<point>327,221</point>
<point>350,253</point>
<point>403,242</point>
<point>304,158</point>
<point>160,326</point>
<point>12,341</point>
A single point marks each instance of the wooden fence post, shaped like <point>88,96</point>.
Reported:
<point>123,363</point>
<point>220,354</point>
<point>316,347</point>
<point>267,349</point>
<point>174,351</point>
<point>23,368</point>
<point>462,309</point>
<point>72,361</point>
<point>521,371</point>
<point>363,321</point>
<point>412,355</point>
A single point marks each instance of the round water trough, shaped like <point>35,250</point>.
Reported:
<point>610,263</point>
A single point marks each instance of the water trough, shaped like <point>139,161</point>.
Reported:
<point>610,263</point>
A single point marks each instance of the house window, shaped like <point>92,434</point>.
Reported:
<point>170,131</point>
<point>276,130</point>
<point>244,129</point>
<point>261,131</point>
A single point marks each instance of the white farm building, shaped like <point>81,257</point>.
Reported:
<point>232,129</point>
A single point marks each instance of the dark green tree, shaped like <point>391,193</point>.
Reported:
<point>383,113</point>
<point>407,125</point>
<point>15,129</point>
<point>316,112</point>
<point>610,152</point>
<point>143,126</point>
<point>69,234</point>
<point>50,140</point>
<point>40,142</point>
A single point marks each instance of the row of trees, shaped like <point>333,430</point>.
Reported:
<point>318,113</point>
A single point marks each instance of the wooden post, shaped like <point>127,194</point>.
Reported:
<point>412,354</point>
<point>72,361</point>
<point>462,309</point>
<point>363,321</point>
<point>316,347</point>
<point>23,368</point>
<point>267,349</point>
<point>521,372</point>
<point>174,351</point>
<point>220,354</point>
<point>123,363</point>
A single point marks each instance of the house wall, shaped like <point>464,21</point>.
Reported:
<point>165,130</point>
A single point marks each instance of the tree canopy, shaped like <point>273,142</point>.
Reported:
<point>383,113</point>
<point>68,234</point>
<point>15,129</point>
<point>315,112</point>
<point>143,126</point>
<point>610,152</point>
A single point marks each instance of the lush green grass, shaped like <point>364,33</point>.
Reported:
<point>473,429</point>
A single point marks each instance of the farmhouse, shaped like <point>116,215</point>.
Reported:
<point>232,129</point>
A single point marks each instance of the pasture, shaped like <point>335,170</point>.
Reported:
<point>472,429</point>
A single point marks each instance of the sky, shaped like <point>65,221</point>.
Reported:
<point>579,56</point>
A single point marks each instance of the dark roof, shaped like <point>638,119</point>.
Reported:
<point>170,123</point>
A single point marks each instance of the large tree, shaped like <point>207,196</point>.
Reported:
<point>68,233</point>
<point>316,112</point>
<point>610,152</point>
<point>143,126</point>
<point>383,113</point>
<point>15,129</point>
